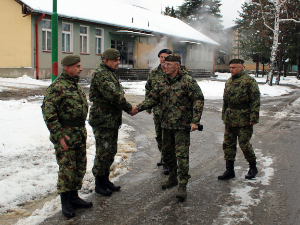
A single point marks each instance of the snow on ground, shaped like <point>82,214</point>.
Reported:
<point>245,193</point>
<point>214,89</point>
<point>22,82</point>
<point>28,168</point>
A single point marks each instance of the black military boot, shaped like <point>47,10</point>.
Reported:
<point>166,169</point>
<point>110,185</point>
<point>101,187</point>
<point>66,206</point>
<point>172,181</point>
<point>181,194</point>
<point>160,163</point>
<point>78,203</point>
<point>229,173</point>
<point>252,171</point>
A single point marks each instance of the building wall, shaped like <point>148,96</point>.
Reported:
<point>89,61</point>
<point>200,57</point>
<point>147,49</point>
<point>15,36</point>
<point>19,45</point>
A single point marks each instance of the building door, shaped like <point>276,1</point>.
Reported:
<point>126,50</point>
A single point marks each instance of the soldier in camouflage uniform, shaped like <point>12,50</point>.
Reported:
<point>105,117</point>
<point>65,110</point>
<point>154,77</point>
<point>181,102</point>
<point>241,103</point>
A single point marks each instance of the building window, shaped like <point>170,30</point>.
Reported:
<point>84,39</point>
<point>67,37</point>
<point>127,52</point>
<point>98,33</point>
<point>46,35</point>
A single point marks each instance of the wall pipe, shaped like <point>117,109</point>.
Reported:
<point>37,45</point>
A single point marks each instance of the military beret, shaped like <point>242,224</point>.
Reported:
<point>173,58</point>
<point>111,53</point>
<point>236,61</point>
<point>165,50</point>
<point>70,60</point>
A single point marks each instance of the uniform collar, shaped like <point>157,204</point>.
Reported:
<point>238,75</point>
<point>67,77</point>
<point>171,80</point>
<point>107,67</point>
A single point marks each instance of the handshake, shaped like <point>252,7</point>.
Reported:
<point>134,111</point>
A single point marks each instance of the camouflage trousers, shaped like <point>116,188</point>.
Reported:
<point>158,131</point>
<point>243,134</point>
<point>72,168</point>
<point>175,153</point>
<point>106,149</point>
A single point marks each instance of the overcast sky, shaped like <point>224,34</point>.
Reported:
<point>229,8</point>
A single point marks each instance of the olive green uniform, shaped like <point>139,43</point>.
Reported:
<point>241,104</point>
<point>105,116</point>
<point>181,102</point>
<point>65,110</point>
<point>154,77</point>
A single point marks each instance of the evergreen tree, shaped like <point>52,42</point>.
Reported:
<point>291,31</point>
<point>171,12</point>
<point>204,16</point>
<point>254,37</point>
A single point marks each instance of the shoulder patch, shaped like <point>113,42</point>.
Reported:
<point>112,86</point>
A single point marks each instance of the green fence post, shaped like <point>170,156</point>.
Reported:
<point>54,41</point>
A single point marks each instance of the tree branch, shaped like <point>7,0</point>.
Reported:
<point>263,16</point>
<point>285,20</point>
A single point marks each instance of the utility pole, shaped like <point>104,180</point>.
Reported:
<point>54,41</point>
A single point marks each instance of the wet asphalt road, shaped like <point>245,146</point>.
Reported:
<point>272,198</point>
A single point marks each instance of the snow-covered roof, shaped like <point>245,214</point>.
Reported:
<point>114,13</point>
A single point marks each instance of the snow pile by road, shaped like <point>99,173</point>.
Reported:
<point>28,167</point>
<point>22,82</point>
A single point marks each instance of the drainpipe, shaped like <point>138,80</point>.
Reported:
<point>37,45</point>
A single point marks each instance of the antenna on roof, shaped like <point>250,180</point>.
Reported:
<point>160,7</point>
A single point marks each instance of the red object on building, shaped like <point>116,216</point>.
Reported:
<point>55,68</point>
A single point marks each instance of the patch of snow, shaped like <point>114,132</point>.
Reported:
<point>245,193</point>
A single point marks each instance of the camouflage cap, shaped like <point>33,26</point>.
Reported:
<point>111,53</point>
<point>70,60</point>
<point>236,61</point>
<point>165,50</point>
<point>173,58</point>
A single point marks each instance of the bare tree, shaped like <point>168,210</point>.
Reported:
<point>278,6</point>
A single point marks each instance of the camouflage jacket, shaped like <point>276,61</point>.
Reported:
<point>180,100</point>
<point>241,89</point>
<point>108,99</point>
<point>65,100</point>
<point>154,77</point>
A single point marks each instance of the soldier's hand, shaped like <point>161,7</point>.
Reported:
<point>252,123</point>
<point>63,143</point>
<point>194,127</point>
<point>134,111</point>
